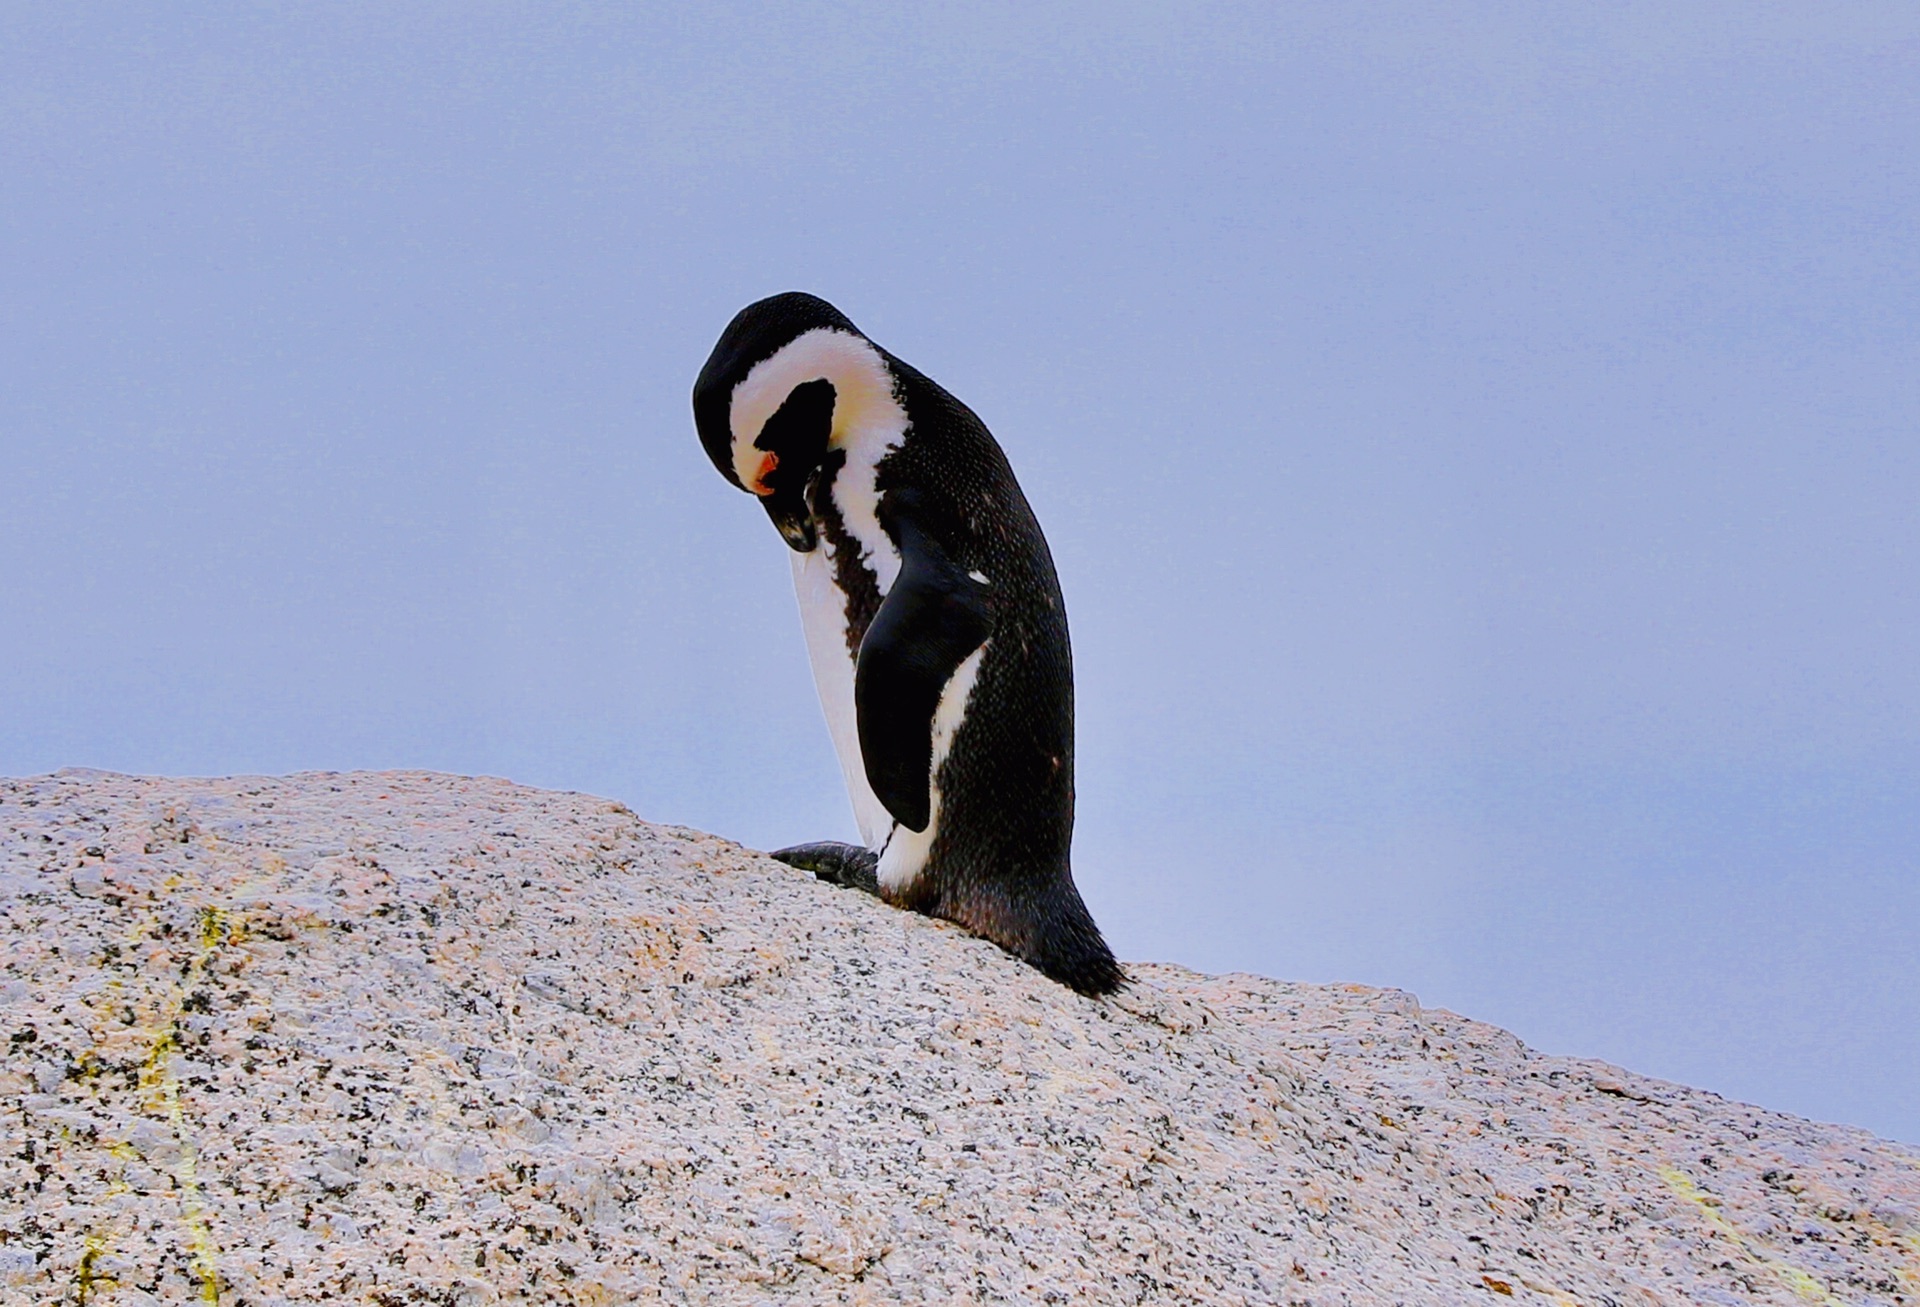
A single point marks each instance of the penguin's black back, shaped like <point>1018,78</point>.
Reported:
<point>1000,860</point>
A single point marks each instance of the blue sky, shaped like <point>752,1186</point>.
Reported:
<point>1481,445</point>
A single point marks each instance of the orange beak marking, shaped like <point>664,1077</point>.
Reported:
<point>767,464</point>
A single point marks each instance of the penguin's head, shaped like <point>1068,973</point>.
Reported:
<point>789,380</point>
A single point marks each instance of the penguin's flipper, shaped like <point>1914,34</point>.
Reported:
<point>933,617</point>
<point>836,863</point>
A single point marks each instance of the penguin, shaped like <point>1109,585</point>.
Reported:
<point>934,623</point>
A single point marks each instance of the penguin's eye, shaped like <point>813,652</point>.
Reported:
<point>768,462</point>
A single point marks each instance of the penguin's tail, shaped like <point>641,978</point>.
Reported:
<point>1041,921</point>
<point>1066,946</point>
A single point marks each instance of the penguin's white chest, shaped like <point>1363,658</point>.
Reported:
<point>824,618</point>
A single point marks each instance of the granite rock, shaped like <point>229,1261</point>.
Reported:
<point>406,1038</point>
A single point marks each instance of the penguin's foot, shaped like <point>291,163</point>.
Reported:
<point>836,863</point>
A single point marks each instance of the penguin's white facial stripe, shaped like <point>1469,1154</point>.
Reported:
<point>862,392</point>
<point>906,853</point>
<point>868,423</point>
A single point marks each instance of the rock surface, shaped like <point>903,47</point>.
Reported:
<point>407,1038</point>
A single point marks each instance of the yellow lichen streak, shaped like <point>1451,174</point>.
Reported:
<point>84,1276</point>
<point>160,1094</point>
<point>1792,1276</point>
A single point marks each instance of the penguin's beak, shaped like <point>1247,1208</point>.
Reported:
<point>791,518</point>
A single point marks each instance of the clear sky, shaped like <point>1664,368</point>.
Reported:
<point>1481,445</point>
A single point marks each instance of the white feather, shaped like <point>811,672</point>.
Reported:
<point>823,617</point>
